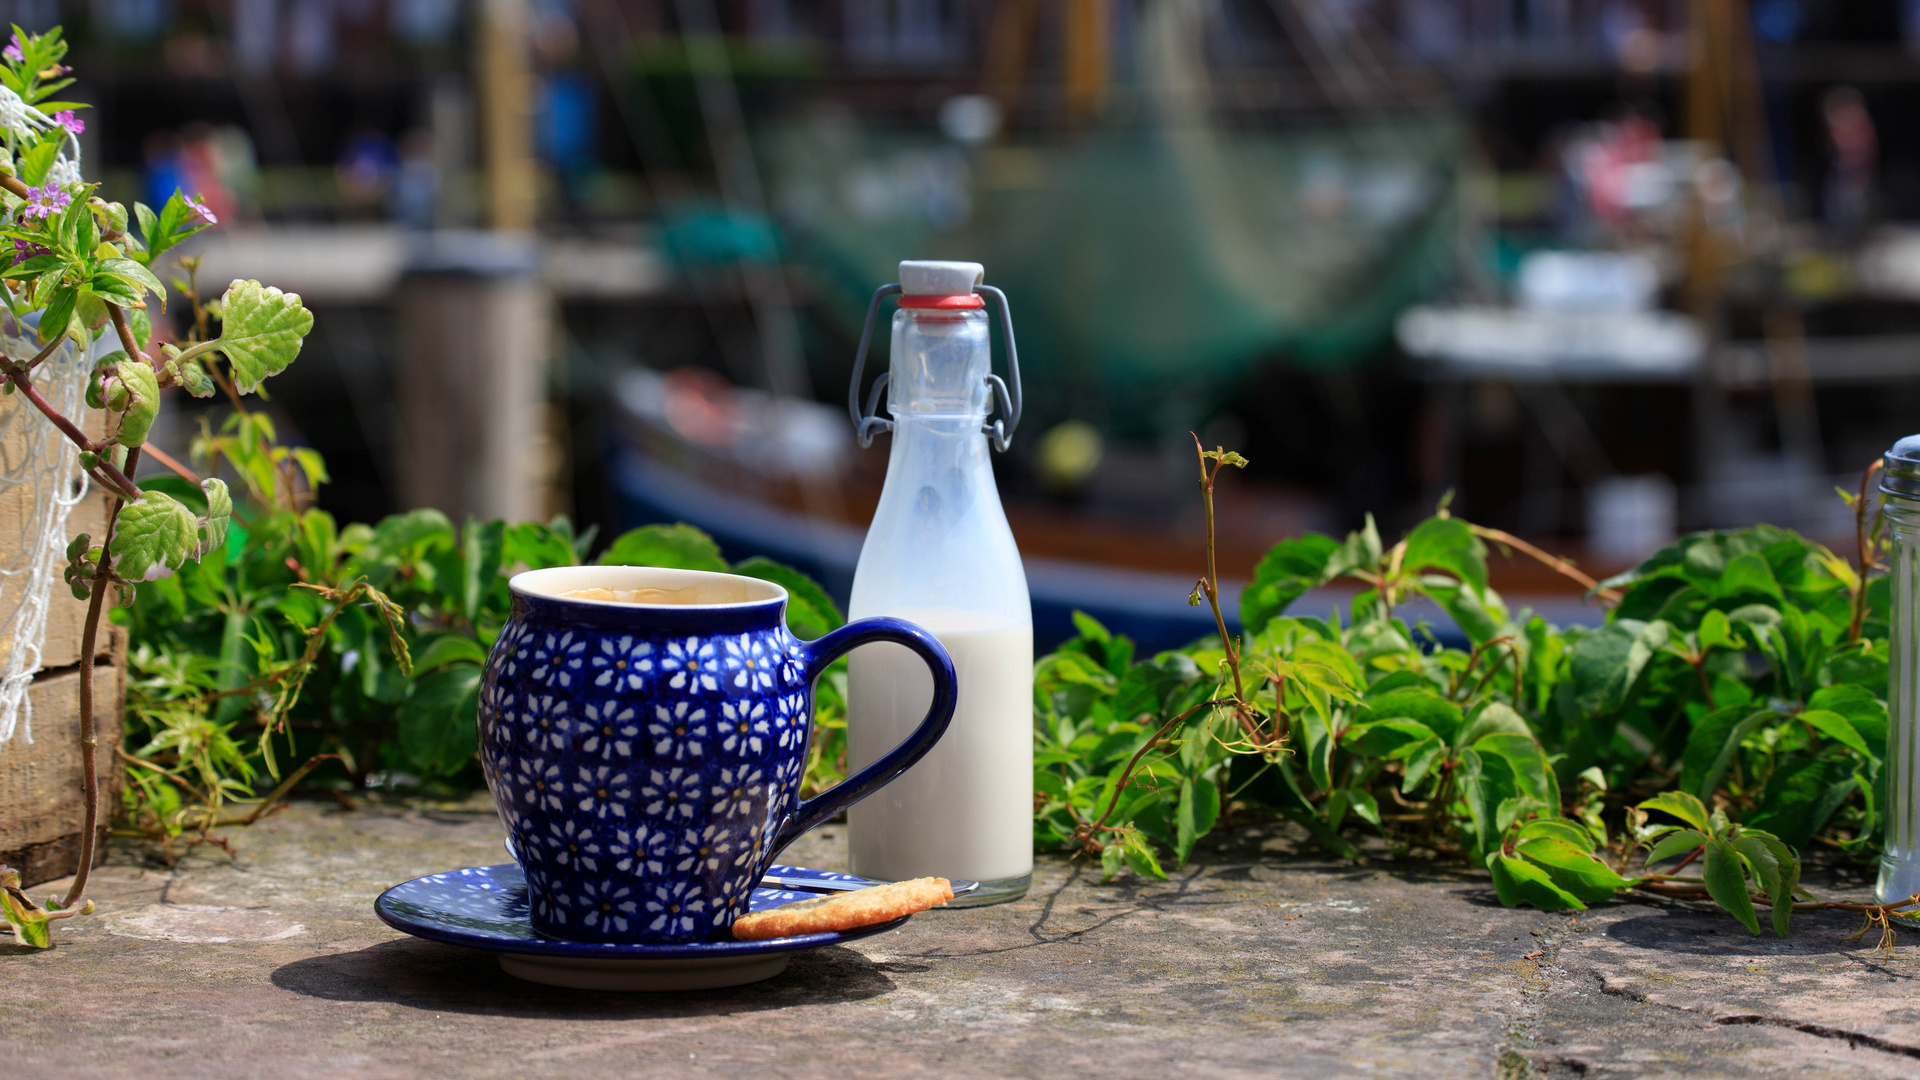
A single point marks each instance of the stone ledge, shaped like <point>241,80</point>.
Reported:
<point>1260,960</point>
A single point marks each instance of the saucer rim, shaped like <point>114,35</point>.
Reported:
<point>589,950</point>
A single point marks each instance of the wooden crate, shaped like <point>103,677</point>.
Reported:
<point>41,815</point>
<point>40,791</point>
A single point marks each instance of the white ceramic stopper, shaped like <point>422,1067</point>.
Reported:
<point>919,277</point>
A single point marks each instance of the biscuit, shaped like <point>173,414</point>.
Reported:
<point>845,911</point>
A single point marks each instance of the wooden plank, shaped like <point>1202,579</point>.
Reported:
<point>40,809</point>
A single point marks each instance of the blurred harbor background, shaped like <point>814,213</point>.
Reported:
<point>1605,270</point>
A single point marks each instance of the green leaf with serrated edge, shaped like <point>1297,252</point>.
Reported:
<point>810,611</point>
<point>213,527</point>
<point>1573,868</point>
<point>1142,859</point>
<point>1727,883</point>
<point>155,536</point>
<point>260,331</point>
<point>1835,727</point>
<point>679,546</point>
<point>1682,805</point>
<point>142,402</point>
<point>1113,859</point>
<point>1675,844</point>
<point>1557,829</point>
<point>1518,881</point>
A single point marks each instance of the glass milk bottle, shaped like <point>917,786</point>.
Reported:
<point>1900,483</point>
<point>939,553</point>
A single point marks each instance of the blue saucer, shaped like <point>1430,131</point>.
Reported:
<point>485,907</point>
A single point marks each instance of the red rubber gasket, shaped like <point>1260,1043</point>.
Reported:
<point>948,303</point>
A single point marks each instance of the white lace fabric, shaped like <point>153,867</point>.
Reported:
<point>40,484</point>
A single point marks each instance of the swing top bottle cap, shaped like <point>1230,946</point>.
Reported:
<point>1900,469</point>
<point>927,278</point>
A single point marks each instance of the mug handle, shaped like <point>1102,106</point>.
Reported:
<point>825,650</point>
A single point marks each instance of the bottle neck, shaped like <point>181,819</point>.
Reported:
<point>940,360</point>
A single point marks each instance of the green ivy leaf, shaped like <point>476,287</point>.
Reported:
<point>1606,664</point>
<point>1140,856</point>
<point>1712,745</point>
<point>1680,804</point>
<point>1194,815</point>
<point>438,732</point>
<point>679,546</point>
<point>155,536</point>
<point>1727,883</point>
<point>1866,713</point>
<point>139,388</point>
<point>1573,868</point>
<point>810,611</point>
<point>1288,569</point>
<point>1835,727</point>
<point>447,649</point>
<point>1556,829</point>
<point>260,331</point>
<point>1520,882</point>
<point>213,527</point>
<point>1675,844</point>
<point>1447,544</point>
<point>1440,716</point>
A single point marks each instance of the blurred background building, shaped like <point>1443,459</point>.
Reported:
<point>1604,269</point>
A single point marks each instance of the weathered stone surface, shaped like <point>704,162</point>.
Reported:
<point>1258,962</point>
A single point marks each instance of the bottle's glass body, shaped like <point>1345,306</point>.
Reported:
<point>1900,859</point>
<point>939,553</point>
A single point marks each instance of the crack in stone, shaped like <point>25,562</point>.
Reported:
<point>1515,1063</point>
<point>1855,1039</point>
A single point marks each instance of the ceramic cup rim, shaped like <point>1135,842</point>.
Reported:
<point>548,584</point>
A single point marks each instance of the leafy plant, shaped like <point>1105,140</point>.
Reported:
<point>75,269</point>
<point>1736,684</point>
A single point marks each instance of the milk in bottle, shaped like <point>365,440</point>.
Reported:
<point>939,554</point>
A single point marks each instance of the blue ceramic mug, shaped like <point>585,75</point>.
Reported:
<point>646,757</point>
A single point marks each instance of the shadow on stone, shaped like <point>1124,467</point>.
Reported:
<point>1704,933</point>
<point>445,978</point>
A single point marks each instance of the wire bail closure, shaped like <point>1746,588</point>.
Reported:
<point>867,422</point>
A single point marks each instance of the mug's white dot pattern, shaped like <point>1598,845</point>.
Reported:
<point>641,779</point>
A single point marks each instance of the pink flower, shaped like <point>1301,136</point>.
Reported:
<point>201,209</point>
<point>66,119</point>
<point>12,51</point>
<point>44,202</point>
<point>26,249</point>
